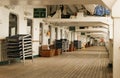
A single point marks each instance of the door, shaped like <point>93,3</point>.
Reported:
<point>29,26</point>
<point>12,24</point>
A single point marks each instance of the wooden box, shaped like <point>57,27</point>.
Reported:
<point>46,52</point>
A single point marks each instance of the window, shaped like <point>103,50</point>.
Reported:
<point>39,12</point>
<point>72,28</point>
<point>81,27</point>
<point>82,33</point>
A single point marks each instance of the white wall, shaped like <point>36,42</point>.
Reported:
<point>4,22</point>
<point>22,23</point>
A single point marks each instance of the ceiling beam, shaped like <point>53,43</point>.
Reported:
<point>69,10</point>
<point>90,8</point>
<point>72,8</point>
<point>53,8</point>
<point>109,3</point>
<point>77,9</point>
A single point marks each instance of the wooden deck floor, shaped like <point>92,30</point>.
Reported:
<point>78,64</point>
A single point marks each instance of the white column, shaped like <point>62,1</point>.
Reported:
<point>35,36</point>
<point>58,34</point>
<point>22,22</point>
<point>52,35</point>
<point>69,36</point>
<point>116,48</point>
<point>75,36</point>
<point>72,36</point>
<point>116,39</point>
<point>63,33</point>
<point>44,33</point>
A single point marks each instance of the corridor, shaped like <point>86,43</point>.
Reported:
<point>86,63</point>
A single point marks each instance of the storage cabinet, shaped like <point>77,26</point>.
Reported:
<point>62,44</point>
<point>58,44</point>
<point>77,44</point>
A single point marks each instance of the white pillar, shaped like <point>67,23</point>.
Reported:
<point>58,34</point>
<point>116,39</point>
<point>52,35</point>
<point>75,36</point>
<point>69,36</point>
<point>44,33</point>
<point>72,36</point>
<point>63,33</point>
<point>116,48</point>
